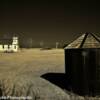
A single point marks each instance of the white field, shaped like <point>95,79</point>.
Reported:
<point>32,61</point>
<point>20,74</point>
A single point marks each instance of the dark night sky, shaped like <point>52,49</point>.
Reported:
<point>49,20</point>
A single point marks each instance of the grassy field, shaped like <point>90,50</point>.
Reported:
<point>20,75</point>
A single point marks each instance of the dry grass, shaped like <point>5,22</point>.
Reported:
<point>20,75</point>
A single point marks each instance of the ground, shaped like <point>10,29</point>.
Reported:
<point>20,74</point>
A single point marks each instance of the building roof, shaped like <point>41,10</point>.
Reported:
<point>5,41</point>
<point>87,40</point>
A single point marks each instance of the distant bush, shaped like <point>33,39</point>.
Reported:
<point>46,48</point>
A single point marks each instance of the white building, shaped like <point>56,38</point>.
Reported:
<point>9,45</point>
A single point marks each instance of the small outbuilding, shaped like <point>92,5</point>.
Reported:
<point>82,64</point>
<point>9,45</point>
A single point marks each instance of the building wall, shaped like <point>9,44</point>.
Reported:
<point>9,48</point>
<point>5,47</point>
<point>15,48</point>
<point>1,47</point>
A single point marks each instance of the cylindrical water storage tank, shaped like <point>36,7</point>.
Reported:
<point>82,65</point>
<point>83,70</point>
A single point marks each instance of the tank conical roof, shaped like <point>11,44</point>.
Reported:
<point>87,40</point>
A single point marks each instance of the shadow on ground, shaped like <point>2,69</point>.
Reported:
<point>61,80</point>
<point>58,79</point>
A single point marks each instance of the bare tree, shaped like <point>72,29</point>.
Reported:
<point>30,42</point>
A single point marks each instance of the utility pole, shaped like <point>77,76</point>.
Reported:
<point>57,44</point>
<point>41,44</point>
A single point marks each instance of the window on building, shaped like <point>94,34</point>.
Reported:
<point>15,47</point>
<point>3,46</point>
<point>8,46</point>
